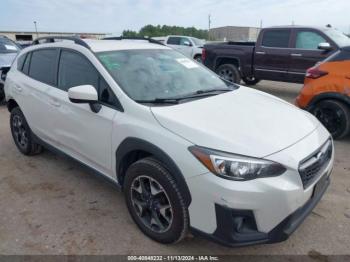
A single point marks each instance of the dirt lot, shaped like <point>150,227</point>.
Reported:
<point>51,205</point>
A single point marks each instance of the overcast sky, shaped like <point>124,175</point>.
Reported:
<point>113,16</point>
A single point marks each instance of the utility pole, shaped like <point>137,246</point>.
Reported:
<point>209,25</point>
<point>36,29</point>
<point>261,24</point>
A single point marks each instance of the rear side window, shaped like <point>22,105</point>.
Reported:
<point>43,66</point>
<point>76,70</point>
<point>174,40</point>
<point>309,40</point>
<point>276,38</point>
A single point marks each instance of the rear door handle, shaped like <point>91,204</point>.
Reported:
<point>18,88</point>
<point>296,55</point>
<point>260,53</point>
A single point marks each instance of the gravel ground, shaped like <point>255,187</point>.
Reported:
<point>51,205</point>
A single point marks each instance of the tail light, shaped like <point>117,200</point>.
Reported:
<point>204,54</point>
<point>315,72</point>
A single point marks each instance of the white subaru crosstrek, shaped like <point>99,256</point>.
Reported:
<point>191,151</point>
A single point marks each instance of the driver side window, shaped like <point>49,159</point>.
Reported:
<point>76,70</point>
<point>185,41</point>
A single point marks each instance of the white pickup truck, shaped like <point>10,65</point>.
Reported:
<point>187,45</point>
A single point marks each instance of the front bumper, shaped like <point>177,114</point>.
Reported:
<point>264,210</point>
<point>238,227</point>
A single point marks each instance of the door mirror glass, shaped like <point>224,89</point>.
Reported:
<point>187,43</point>
<point>325,46</point>
<point>83,94</point>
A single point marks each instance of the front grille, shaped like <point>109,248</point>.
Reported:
<point>313,167</point>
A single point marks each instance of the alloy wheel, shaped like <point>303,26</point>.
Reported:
<point>151,203</point>
<point>19,131</point>
<point>330,118</point>
<point>227,74</point>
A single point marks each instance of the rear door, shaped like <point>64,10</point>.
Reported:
<point>306,53</point>
<point>272,55</point>
<point>37,78</point>
<point>80,132</point>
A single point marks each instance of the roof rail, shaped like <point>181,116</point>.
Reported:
<point>51,39</point>
<point>153,41</point>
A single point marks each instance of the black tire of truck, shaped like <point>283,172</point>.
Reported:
<point>229,72</point>
<point>251,80</point>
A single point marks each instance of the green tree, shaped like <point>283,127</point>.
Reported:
<point>164,30</point>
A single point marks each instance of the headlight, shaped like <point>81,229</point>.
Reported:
<point>236,167</point>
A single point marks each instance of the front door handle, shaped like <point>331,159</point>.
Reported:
<point>296,55</point>
<point>260,53</point>
<point>55,102</point>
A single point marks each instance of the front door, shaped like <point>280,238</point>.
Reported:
<point>80,132</point>
<point>306,53</point>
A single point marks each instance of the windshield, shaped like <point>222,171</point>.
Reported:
<point>338,37</point>
<point>197,41</point>
<point>7,46</point>
<point>147,75</point>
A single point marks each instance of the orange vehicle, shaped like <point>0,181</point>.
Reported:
<point>326,93</point>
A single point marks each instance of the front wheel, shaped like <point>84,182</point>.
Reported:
<point>335,116</point>
<point>229,73</point>
<point>155,202</point>
<point>251,80</point>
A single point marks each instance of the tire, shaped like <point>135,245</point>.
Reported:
<point>250,81</point>
<point>22,135</point>
<point>335,116</point>
<point>198,58</point>
<point>2,93</point>
<point>144,203</point>
<point>229,72</point>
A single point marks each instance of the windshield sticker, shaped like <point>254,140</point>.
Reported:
<point>10,47</point>
<point>186,62</point>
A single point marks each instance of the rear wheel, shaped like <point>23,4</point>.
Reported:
<point>198,58</point>
<point>229,72</point>
<point>251,80</point>
<point>335,116</point>
<point>155,202</point>
<point>22,135</point>
<point>2,93</point>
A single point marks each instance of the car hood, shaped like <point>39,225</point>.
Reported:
<point>244,121</point>
<point>7,59</point>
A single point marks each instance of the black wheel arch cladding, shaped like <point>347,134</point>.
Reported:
<point>328,96</point>
<point>132,144</point>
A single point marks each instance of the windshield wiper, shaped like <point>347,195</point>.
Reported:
<point>215,90</point>
<point>177,99</point>
<point>159,101</point>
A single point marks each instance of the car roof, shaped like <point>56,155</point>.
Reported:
<point>125,44</point>
<point>97,46</point>
<point>298,27</point>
